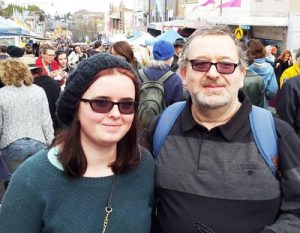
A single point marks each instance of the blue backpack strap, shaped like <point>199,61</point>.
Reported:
<point>164,125</point>
<point>265,136</point>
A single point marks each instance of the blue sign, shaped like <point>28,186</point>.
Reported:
<point>245,27</point>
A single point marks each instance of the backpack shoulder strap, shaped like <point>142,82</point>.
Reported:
<point>143,75</point>
<point>167,75</point>
<point>164,125</point>
<point>265,136</point>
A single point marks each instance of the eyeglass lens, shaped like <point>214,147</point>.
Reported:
<point>104,106</point>
<point>222,67</point>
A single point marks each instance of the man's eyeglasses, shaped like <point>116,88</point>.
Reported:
<point>104,106</point>
<point>222,67</point>
<point>50,55</point>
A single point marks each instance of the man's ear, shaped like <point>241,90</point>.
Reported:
<point>182,73</point>
<point>243,74</point>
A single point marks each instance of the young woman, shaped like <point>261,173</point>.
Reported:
<point>124,50</point>
<point>95,178</point>
<point>25,120</point>
<point>282,63</point>
<point>76,56</point>
<point>64,68</point>
<point>257,63</point>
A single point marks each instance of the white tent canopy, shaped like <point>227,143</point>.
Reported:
<point>140,40</point>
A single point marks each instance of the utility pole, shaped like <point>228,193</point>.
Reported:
<point>221,8</point>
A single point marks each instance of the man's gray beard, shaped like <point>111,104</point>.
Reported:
<point>211,102</point>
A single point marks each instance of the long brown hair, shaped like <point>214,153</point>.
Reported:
<point>255,49</point>
<point>72,156</point>
<point>282,55</point>
<point>124,49</point>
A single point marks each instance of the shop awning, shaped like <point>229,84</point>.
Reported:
<point>251,21</point>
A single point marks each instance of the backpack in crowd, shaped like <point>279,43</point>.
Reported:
<point>152,98</point>
<point>262,127</point>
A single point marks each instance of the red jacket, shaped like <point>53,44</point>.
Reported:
<point>53,65</point>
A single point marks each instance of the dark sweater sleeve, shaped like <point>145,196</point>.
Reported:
<point>288,220</point>
<point>289,103</point>
<point>18,212</point>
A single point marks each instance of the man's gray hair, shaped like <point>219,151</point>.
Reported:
<point>157,64</point>
<point>212,30</point>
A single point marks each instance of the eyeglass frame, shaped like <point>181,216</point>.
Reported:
<point>235,65</point>
<point>90,101</point>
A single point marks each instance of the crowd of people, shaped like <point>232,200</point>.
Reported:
<point>128,140</point>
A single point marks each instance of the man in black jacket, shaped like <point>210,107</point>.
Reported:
<point>178,46</point>
<point>288,107</point>
<point>51,88</point>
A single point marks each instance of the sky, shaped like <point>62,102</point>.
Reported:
<point>64,6</point>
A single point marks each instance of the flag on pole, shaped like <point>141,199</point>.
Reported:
<point>232,3</point>
<point>204,4</point>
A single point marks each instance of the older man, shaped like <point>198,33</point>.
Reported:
<point>210,175</point>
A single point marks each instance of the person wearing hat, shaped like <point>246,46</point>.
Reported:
<point>15,51</point>
<point>163,53</point>
<point>292,71</point>
<point>95,177</point>
<point>178,45</point>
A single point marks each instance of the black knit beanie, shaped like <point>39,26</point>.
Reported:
<point>79,80</point>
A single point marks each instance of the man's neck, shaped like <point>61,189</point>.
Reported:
<point>213,117</point>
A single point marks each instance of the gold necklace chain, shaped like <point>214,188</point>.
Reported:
<point>108,209</point>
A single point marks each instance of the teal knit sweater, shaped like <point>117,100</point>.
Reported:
<point>41,199</point>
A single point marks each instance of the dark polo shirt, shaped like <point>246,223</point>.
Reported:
<point>217,181</point>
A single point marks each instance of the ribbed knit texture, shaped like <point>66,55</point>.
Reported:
<point>41,199</point>
<point>24,113</point>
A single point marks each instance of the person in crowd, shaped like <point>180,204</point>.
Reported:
<point>274,51</point>
<point>292,71</point>
<point>15,51</point>
<point>64,68</point>
<point>51,88</point>
<point>124,50</point>
<point>28,52</point>
<point>288,107</point>
<point>142,54</point>
<point>25,122</point>
<point>178,45</point>
<point>4,176</point>
<point>95,178</point>
<point>254,88</point>
<point>163,53</point>
<point>257,63</point>
<point>283,62</point>
<point>77,56</point>
<point>3,56</point>
<point>97,48</point>
<point>3,52</point>
<point>210,176</point>
<point>46,61</point>
<point>269,56</point>
<point>36,49</point>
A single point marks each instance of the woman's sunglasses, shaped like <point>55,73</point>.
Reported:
<point>104,106</point>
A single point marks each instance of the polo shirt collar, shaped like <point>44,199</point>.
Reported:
<point>228,130</point>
